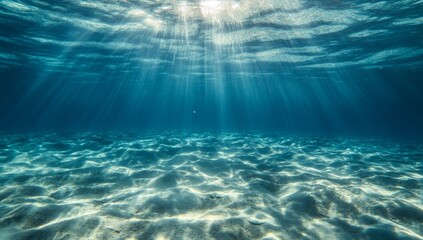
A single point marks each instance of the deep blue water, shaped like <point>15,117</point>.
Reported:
<point>211,119</point>
<point>327,67</point>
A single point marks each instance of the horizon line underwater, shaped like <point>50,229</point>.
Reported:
<point>211,119</point>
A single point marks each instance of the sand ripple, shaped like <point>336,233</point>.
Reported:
<point>208,186</point>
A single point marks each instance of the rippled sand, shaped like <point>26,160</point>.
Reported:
<point>207,186</point>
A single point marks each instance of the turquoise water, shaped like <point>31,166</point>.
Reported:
<point>211,119</point>
<point>179,185</point>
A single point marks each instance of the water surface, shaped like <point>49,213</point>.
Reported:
<point>211,119</point>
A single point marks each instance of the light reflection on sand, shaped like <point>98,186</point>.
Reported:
<point>206,186</point>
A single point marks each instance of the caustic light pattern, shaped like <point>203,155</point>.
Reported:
<point>179,185</point>
<point>123,35</point>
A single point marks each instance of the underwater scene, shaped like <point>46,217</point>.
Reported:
<point>211,119</point>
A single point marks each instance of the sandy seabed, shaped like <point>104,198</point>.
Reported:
<point>208,186</point>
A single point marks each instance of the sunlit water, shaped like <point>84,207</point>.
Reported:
<point>125,36</point>
<point>179,185</point>
<point>200,84</point>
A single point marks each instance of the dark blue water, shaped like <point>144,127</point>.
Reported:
<point>211,119</point>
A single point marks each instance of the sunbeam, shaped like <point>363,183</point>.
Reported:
<point>211,119</point>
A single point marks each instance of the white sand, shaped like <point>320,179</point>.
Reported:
<point>205,186</point>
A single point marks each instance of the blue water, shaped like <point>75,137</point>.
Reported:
<point>211,119</point>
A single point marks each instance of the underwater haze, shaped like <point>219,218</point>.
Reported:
<point>211,119</point>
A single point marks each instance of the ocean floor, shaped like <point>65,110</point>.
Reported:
<point>179,185</point>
